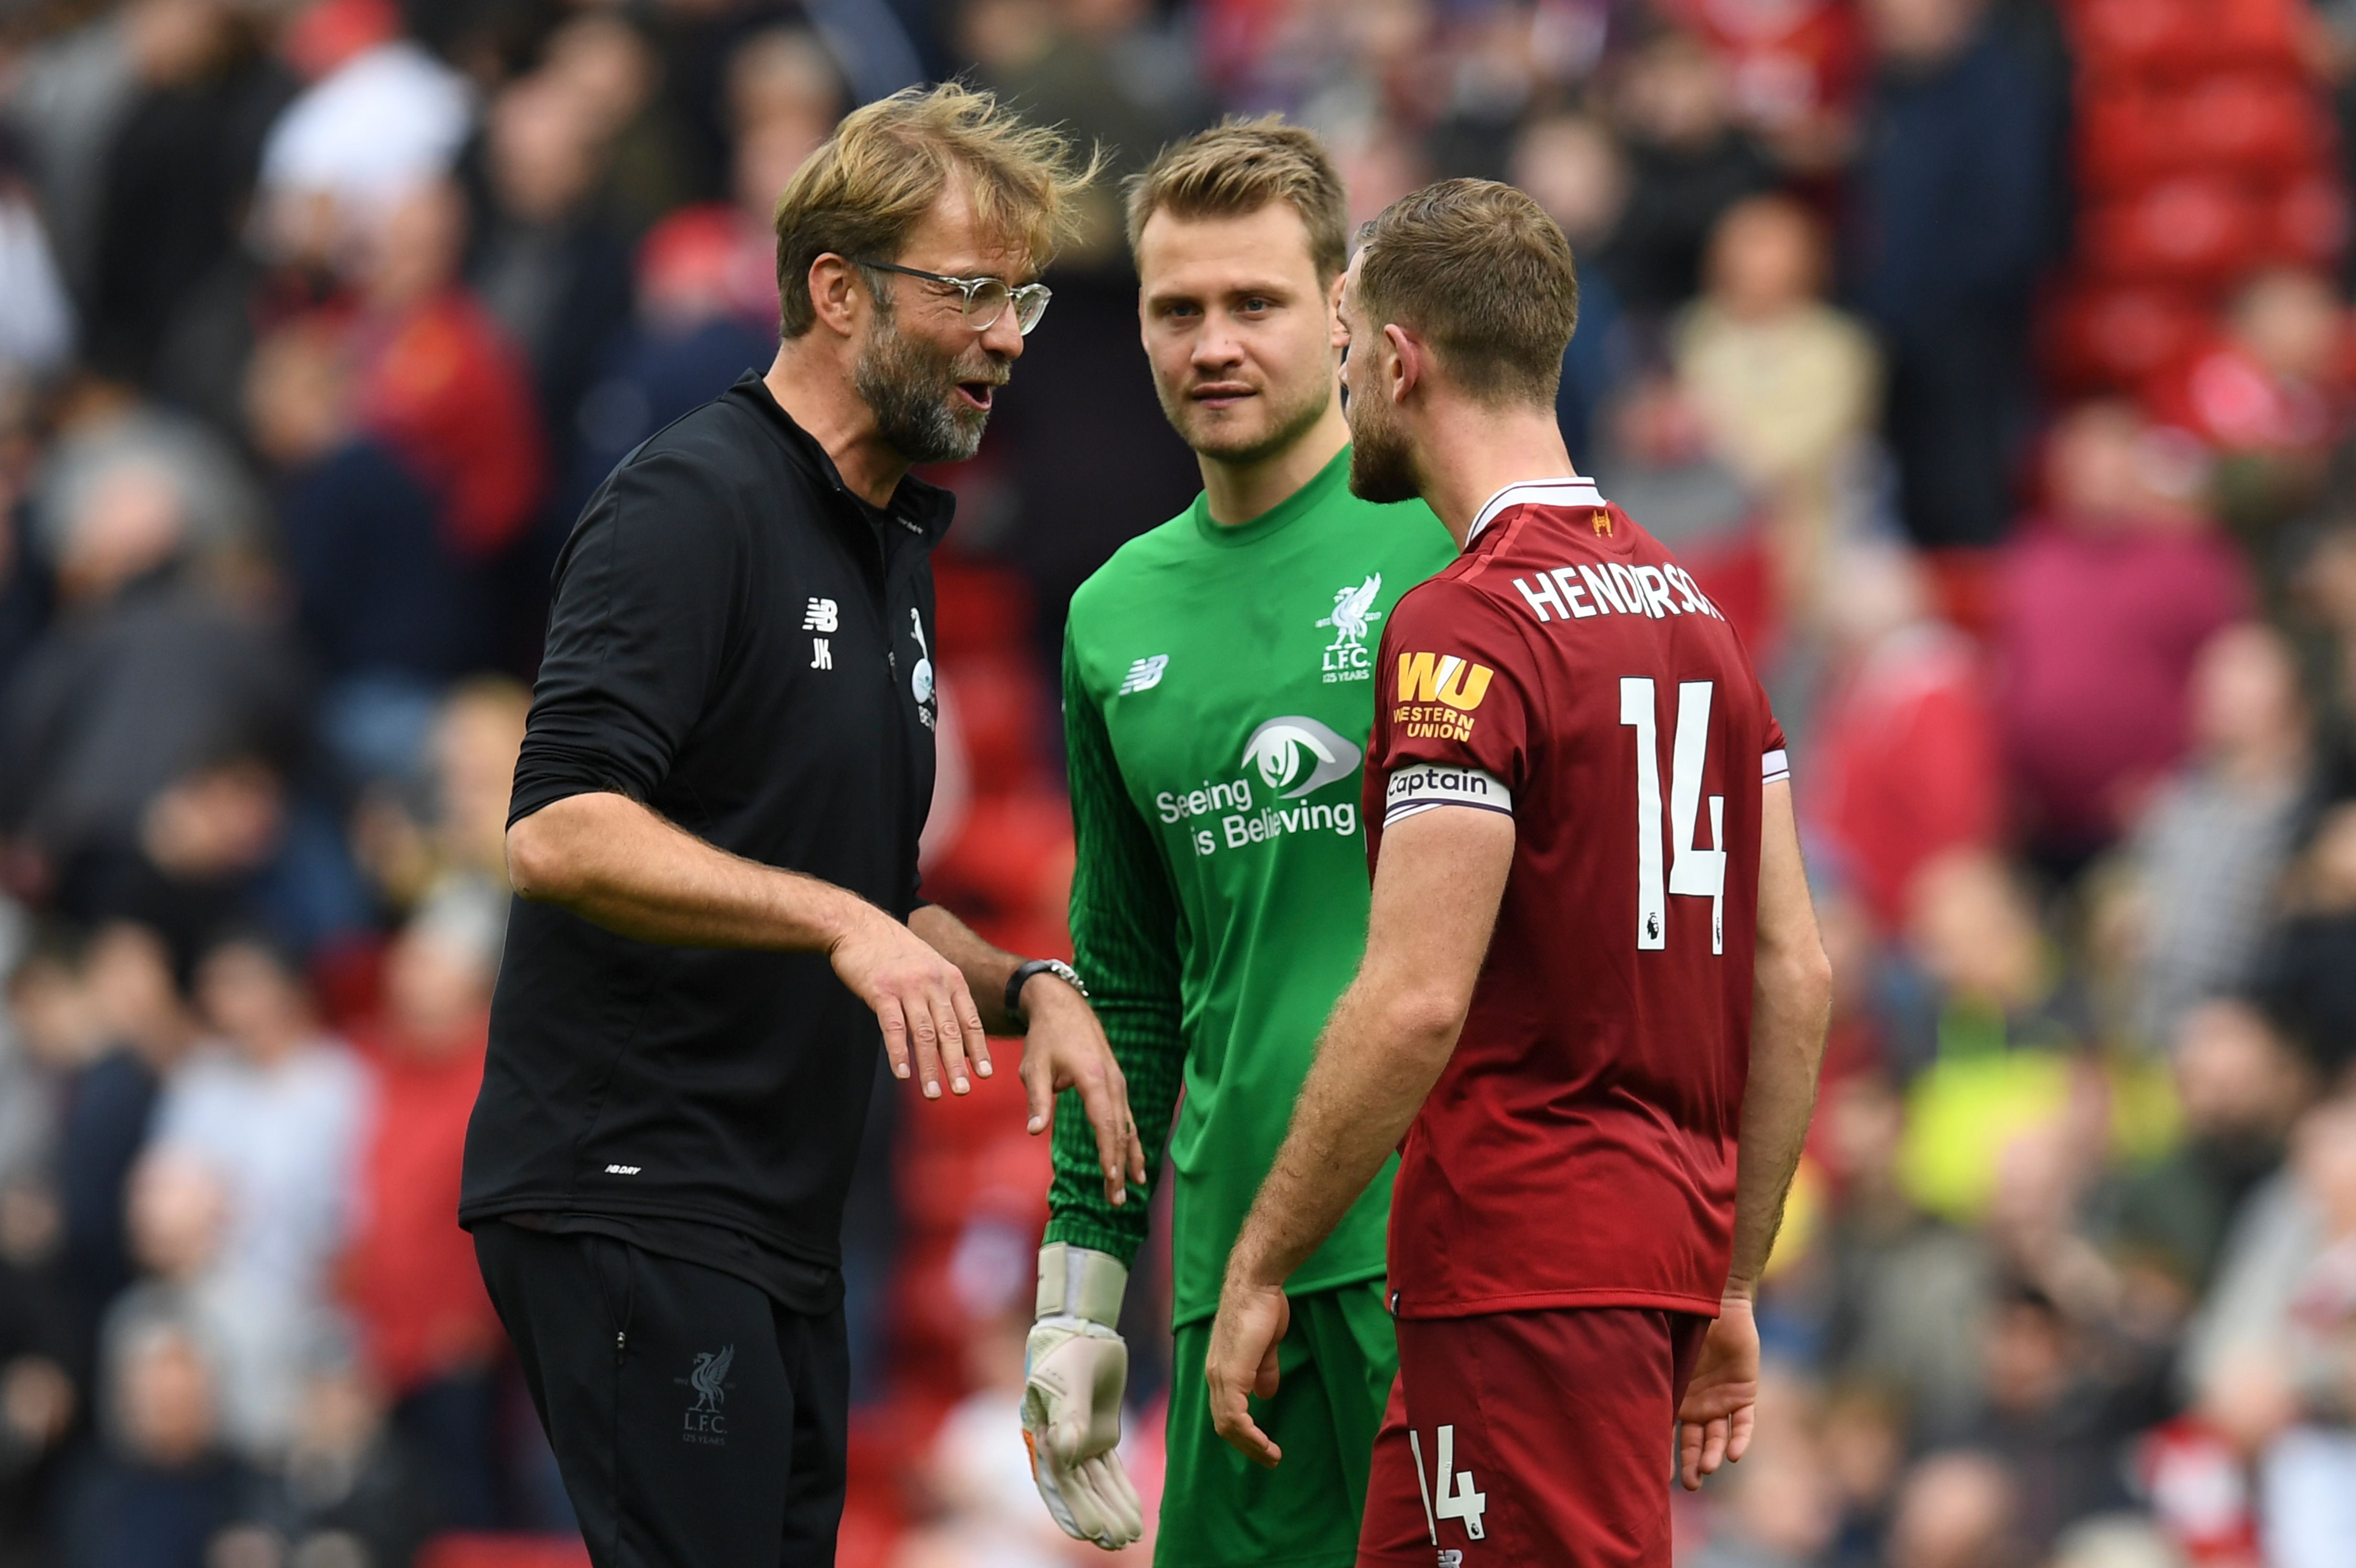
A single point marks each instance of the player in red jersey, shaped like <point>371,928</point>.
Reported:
<point>1593,998</point>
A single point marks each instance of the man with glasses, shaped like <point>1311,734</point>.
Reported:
<point>713,841</point>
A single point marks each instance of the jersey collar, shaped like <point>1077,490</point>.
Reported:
<point>922,510</point>
<point>1567,491</point>
<point>1329,480</point>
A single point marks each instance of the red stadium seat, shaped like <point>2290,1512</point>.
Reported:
<point>2196,231</point>
<point>2113,336</point>
<point>2182,38</point>
<point>2263,123</point>
<point>2307,223</point>
<point>2123,136</point>
<point>2252,32</point>
<point>2136,37</point>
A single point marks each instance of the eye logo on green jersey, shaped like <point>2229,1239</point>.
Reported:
<point>1293,755</point>
<point>1279,748</point>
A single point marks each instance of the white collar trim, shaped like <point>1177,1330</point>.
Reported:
<point>1568,491</point>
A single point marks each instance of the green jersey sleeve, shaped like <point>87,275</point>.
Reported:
<point>1125,946</point>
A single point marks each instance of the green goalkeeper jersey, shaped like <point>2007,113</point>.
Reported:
<point>1218,690</point>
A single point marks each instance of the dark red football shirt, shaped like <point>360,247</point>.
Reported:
<point>1580,1148</point>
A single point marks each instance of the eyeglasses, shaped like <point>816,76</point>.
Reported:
<point>986,299</point>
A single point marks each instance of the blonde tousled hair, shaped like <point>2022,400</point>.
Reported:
<point>873,181</point>
<point>1238,166</point>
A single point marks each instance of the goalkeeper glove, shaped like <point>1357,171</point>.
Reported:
<point>1074,1369</point>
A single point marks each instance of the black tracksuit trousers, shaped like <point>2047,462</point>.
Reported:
<point>697,1424</point>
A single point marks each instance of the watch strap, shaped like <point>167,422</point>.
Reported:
<point>1024,971</point>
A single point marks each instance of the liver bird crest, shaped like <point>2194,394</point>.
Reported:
<point>1353,609</point>
<point>709,1379</point>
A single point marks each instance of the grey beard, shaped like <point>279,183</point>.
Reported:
<point>909,394</point>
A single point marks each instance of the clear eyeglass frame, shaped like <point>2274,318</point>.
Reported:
<point>986,299</point>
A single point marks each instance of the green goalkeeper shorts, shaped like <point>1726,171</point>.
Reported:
<point>1334,1372</point>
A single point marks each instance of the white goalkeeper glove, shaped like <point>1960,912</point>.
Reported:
<point>1074,1369</point>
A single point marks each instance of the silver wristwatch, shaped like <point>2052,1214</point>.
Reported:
<point>1022,976</point>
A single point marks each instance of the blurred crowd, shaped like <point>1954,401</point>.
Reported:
<point>1990,360</point>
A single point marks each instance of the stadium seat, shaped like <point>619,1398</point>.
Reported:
<point>2308,222</point>
<point>2111,336</point>
<point>2196,231</point>
<point>2182,38</point>
<point>2264,125</point>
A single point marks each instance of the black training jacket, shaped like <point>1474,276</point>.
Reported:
<point>740,642</point>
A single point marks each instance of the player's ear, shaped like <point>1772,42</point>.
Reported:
<point>1337,332</point>
<point>833,291</point>
<point>1406,365</point>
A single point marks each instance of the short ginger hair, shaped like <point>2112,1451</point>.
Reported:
<point>1481,273</point>
<point>1238,166</point>
<point>869,185</point>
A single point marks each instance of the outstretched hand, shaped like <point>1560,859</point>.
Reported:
<point>1721,1401</point>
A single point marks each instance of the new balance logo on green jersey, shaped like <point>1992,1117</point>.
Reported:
<point>1144,675</point>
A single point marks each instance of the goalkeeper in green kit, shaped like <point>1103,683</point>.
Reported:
<point>1217,696</point>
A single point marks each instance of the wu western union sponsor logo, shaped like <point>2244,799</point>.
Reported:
<point>1436,695</point>
<point>1426,677</point>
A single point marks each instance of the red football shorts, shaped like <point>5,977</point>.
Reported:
<point>1531,1438</point>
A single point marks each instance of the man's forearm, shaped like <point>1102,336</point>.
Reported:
<point>1790,1010</point>
<point>1379,1057</point>
<point>614,861</point>
<point>1390,1035</point>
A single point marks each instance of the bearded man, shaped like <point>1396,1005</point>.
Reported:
<point>712,839</point>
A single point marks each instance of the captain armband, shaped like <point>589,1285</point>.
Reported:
<point>1419,787</point>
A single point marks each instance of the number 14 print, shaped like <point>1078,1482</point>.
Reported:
<point>1455,1497</point>
<point>1694,872</point>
